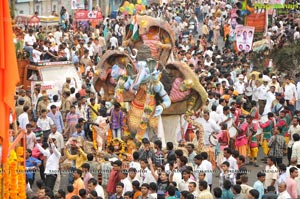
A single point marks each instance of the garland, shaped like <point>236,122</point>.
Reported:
<point>94,132</point>
<point>13,176</point>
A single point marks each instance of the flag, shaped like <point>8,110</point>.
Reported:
<point>134,28</point>
<point>9,75</point>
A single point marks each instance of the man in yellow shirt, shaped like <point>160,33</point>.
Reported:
<point>94,109</point>
<point>78,182</point>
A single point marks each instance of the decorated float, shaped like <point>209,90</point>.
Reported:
<point>144,73</point>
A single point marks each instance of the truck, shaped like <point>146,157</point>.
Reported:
<point>50,75</point>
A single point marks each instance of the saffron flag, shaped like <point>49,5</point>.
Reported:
<point>134,28</point>
<point>9,75</point>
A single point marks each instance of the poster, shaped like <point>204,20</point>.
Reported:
<point>244,37</point>
<point>77,4</point>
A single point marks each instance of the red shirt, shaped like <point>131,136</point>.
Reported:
<point>114,178</point>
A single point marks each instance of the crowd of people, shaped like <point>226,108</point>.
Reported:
<point>246,112</point>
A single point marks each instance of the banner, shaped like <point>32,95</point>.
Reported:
<point>77,4</point>
<point>244,37</point>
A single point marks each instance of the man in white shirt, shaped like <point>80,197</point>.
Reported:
<point>270,98</point>
<point>36,54</point>
<point>296,148</point>
<point>94,186</point>
<point>113,42</point>
<point>23,119</point>
<point>294,129</point>
<point>209,170</point>
<point>233,166</point>
<point>125,180</point>
<point>290,94</point>
<point>262,96</point>
<point>45,123</point>
<point>283,194</point>
<point>144,175</point>
<point>58,137</point>
<point>271,172</point>
<point>52,163</point>
<point>221,105</point>
<point>240,85</point>
<point>29,40</point>
<point>209,126</point>
<point>58,35</point>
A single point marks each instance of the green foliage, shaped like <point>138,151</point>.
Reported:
<point>287,58</point>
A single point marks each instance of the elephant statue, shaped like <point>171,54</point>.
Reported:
<point>147,78</point>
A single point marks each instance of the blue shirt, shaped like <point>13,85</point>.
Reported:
<point>57,119</point>
<point>81,134</point>
<point>259,186</point>
<point>31,162</point>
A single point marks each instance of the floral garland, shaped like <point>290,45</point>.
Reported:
<point>120,144</point>
<point>94,132</point>
<point>13,176</point>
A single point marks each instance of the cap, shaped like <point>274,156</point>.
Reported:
<point>113,159</point>
<point>236,93</point>
<point>38,138</point>
<point>50,34</point>
<point>265,79</point>
<point>241,76</point>
<point>274,77</point>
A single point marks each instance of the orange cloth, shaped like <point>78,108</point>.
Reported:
<point>78,184</point>
<point>9,75</point>
<point>137,194</point>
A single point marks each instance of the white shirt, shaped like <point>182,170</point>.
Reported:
<point>290,91</point>
<point>57,35</point>
<point>296,151</point>
<point>29,39</point>
<point>59,140</point>
<point>240,87</point>
<point>135,165</point>
<point>114,42</point>
<point>184,185</point>
<point>45,124</point>
<point>284,195</point>
<point>233,166</point>
<point>52,163</point>
<point>209,126</point>
<point>200,169</point>
<point>214,116</point>
<point>220,109</point>
<point>270,98</point>
<point>209,171</point>
<point>292,130</point>
<point>271,174</point>
<point>145,176</point>
<point>23,120</point>
<point>127,185</point>
<point>99,190</point>
<point>262,92</point>
<point>36,55</point>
